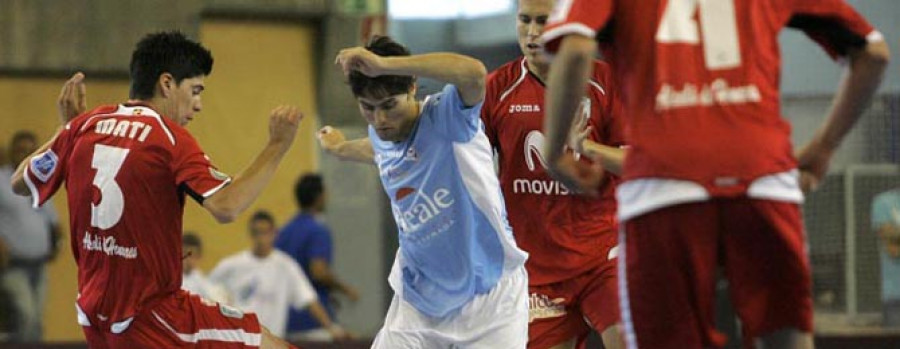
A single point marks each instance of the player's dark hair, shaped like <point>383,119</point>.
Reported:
<point>385,85</point>
<point>191,239</point>
<point>308,189</point>
<point>23,135</point>
<point>262,215</point>
<point>166,52</point>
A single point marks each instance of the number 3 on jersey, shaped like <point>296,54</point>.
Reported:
<point>107,161</point>
<point>718,27</point>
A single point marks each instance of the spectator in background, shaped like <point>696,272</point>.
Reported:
<point>268,282</point>
<point>886,222</point>
<point>308,241</point>
<point>193,279</point>
<point>29,240</point>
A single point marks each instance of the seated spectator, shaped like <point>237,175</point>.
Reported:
<point>268,282</point>
<point>308,241</point>
<point>193,279</point>
<point>886,222</point>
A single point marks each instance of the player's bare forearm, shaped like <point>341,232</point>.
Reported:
<point>464,72</point>
<point>18,178</point>
<point>245,187</point>
<point>318,312</point>
<point>612,158</point>
<point>568,76</point>
<point>357,150</point>
<point>864,75</point>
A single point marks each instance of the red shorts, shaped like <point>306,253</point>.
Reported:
<point>183,320</point>
<point>669,263</point>
<point>570,308</point>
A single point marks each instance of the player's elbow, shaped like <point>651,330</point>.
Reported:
<point>221,210</point>
<point>475,76</point>
<point>875,55</point>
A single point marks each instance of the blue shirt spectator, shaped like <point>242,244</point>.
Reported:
<point>886,222</point>
<point>308,241</point>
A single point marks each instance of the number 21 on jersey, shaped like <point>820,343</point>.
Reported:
<point>717,29</point>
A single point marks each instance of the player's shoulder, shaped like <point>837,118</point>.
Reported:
<point>508,72</point>
<point>83,118</point>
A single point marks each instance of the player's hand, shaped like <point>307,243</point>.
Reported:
<point>339,334</point>
<point>283,123</point>
<point>813,160</point>
<point>361,60</point>
<point>72,99</point>
<point>577,176</point>
<point>331,139</point>
<point>579,132</point>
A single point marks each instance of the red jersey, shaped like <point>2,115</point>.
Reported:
<point>126,170</point>
<point>562,231</point>
<point>701,82</point>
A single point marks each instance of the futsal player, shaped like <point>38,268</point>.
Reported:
<point>127,169</point>
<point>711,178</point>
<point>571,239</point>
<point>459,279</point>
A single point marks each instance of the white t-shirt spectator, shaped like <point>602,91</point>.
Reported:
<point>267,286</point>
<point>197,283</point>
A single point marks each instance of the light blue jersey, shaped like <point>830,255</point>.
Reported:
<point>886,210</point>
<point>455,242</point>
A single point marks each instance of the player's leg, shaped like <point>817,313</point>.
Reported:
<point>496,320</point>
<point>667,265</point>
<point>766,264</point>
<point>555,318</point>
<point>599,301</point>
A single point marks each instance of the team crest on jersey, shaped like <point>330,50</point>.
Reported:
<point>43,165</point>
<point>231,312</point>
<point>542,307</point>
<point>217,174</point>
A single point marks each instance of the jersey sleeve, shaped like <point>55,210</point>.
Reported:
<point>46,171</point>
<point>451,117</point>
<point>194,173</point>
<point>575,17</point>
<point>302,292</point>
<point>833,24</point>
<point>491,99</point>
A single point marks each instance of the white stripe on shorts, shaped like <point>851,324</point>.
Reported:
<point>232,336</point>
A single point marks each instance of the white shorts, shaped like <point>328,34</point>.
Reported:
<point>496,320</point>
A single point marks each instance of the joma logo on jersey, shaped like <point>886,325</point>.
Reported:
<point>425,207</point>
<point>542,307</point>
<point>524,108</point>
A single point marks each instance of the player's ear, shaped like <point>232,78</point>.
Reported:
<point>166,84</point>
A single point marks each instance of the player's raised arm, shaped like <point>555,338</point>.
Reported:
<point>233,199</point>
<point>860,82</point>
<point>71,102</point>
<point>335,143</point>
<point>465,72</point>
<point>566,83</point>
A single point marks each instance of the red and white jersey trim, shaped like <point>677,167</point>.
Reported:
<point>640,196</point>
<point>232,336</point>
<point>522,74</point>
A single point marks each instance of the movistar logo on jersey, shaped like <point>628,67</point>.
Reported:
<point>423,209</point>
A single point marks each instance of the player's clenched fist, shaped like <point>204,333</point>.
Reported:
<point>361,60</point>
<point>330,138</point>
<point>283,123</point>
